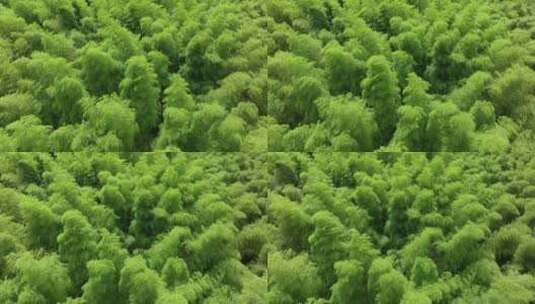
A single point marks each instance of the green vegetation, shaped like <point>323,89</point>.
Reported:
<point>333,228</point>
<point>275,75</point>
<point>88,228</point>
<point>138,75</point>
<point>267,151</point>
<point>400,75</point>
<point>382,228</point>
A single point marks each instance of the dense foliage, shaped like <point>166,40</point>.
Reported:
<point>132,75</point>
<point>403,228</point>
<point>140,228</point>
<point>116,116</point>
<point>275,75</point>
<point>283,228</point>
<point>400,75</point>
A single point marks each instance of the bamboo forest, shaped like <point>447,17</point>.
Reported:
<point>267,152</point>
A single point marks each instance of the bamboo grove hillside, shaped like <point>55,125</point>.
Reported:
<point>119,75</point>
<point>276,75</point>
<point>403,228</point>
<point>90,228</point>
<point>402,75</point>
<point>283,228</point>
